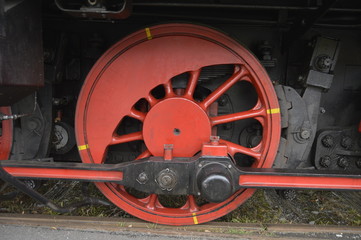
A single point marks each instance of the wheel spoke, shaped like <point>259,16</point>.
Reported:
<point>260,119</point>
<point>144,154</point>
<point>168,89</point>
<point>126,138</point>
<point>193,206</point>
<point>223,88</point>
<point>134,113</point>
<point>152,201</point>
<point>237,116</point>
<point>258,147</point>
<point>192,83</point>
<point>151,100</point>
<point>235,148</point>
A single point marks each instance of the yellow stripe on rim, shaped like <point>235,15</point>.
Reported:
<point>83,147</point>
<point>149,35</point>
<point>273,111</point>
<point>195,219</point>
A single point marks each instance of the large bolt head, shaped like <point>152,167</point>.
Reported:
<point>346,142</point>
<point>325,161</point>
<point>167,179</point>
<point>327,141</point>
<point>305,134</point>
<point>343,162</point>
<point>142,178</point>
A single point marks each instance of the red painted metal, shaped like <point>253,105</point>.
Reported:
<point>308,182</point>
<point>6,138</point>
<point>248,177</point>
<point>59,173</point>
<point>214,148</point>
<point>149,58</point>
<point>168,152</point>
<point>177,121</point>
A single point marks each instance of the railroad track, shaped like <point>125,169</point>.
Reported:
<point>46,226</point>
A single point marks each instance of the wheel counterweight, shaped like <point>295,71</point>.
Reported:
<point>122,85</point>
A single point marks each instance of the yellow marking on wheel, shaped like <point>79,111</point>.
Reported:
<point>195,219</point>
<point>83,147</point>
<point>149,34</point>
<point>273,111</point>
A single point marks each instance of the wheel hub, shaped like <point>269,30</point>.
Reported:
<point>176,121</point>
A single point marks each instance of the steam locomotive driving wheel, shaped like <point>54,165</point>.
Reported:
<point>133,81</point>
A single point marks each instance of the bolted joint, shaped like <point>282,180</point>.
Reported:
<point>142,178</point>
<point>305,134</point>
<point>327,141</point>
<point>214,140</point>
<point>343,162</point>
<point>167,179</point>
<point>325,161</point>
<point>346,142</point>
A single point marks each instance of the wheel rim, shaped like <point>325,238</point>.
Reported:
<point>131,69</point>
<point>6,138</point>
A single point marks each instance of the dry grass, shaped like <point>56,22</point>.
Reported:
<point>310,207</point>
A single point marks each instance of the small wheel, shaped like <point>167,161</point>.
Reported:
<point>134,80</point>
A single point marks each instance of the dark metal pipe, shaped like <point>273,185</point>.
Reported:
<point>218,19</point>
<point>237,6</point>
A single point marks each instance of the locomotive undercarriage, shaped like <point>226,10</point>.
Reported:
<point>183,110</point>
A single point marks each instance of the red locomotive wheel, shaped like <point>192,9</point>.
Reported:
<point>127,75</point>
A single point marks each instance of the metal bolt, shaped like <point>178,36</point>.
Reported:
<point>343,162</point>
<point>167,179</point>
<point>322,110</point>
<point>200,165</point>
<point>142,178</point>
<point>229,166</point>
<point>214,140</point>
<point>325,161</point>
<point>305,134</point>
<point>346,142</point>
<point>327,141</point>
